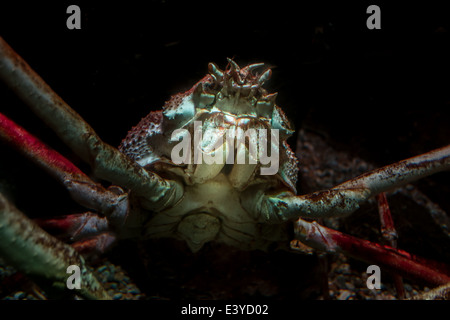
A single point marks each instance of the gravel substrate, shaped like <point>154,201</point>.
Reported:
<point>346,283</point>
<point>114,279</point>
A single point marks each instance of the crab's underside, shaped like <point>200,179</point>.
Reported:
<point>243,204</point>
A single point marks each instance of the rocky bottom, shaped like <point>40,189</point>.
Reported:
<point>346,281</point>
<point>14,286</point>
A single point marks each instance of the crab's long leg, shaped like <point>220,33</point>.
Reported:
<point>390,235</point>
<point>94,245</point>
<point>114,205</point>
<point>387,258</point>
<point>346,197</point>
<point>77,226</point>
<point>82,189</point>
<point>107,162</point>
<point>35,252</point>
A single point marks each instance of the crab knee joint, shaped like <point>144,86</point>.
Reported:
<point>322,204</point>
<point>164,197</point>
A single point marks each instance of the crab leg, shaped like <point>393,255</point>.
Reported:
<point>75,226</point>
<point>107,162</point>
<point>35,252</point>
<point>388,258</point>
<point>387,224</point>
<point>82,189</point>
<point>346,197</point>
<point>389,234</point>
<point>94,245</point>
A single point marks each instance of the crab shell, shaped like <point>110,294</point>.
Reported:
<point>219,199</point>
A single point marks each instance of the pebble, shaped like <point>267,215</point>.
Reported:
<point>407,287</point>
<point>111,277</point>
<point>114,278</point>
<point>343,268</point>
<point>344,295</point>
<point>134,290</point>
<point>106,274</point>
<point>118,283</point>
<point>101,269</point>
<point>350,286</point>
<point>19,295</point>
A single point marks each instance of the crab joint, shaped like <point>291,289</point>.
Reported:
<point>324,239</point>
<point>34,252</point>
<point>113,201</point>
<point>312,232</point>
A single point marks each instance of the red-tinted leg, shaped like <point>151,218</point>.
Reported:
<point>82,189</point>
<point>386,257</point>
<point>390,235</point>
<point>90,231</point>
<point>112,203</point>
<point>106,162</point>
<point>95,245</point>
<point>75,226</point>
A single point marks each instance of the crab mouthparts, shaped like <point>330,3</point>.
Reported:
<point>197,229</point>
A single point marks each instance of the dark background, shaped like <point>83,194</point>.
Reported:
<point>329,69</point>
<point>382,95</point>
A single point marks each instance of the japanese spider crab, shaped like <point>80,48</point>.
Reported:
<point>231,203</point>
